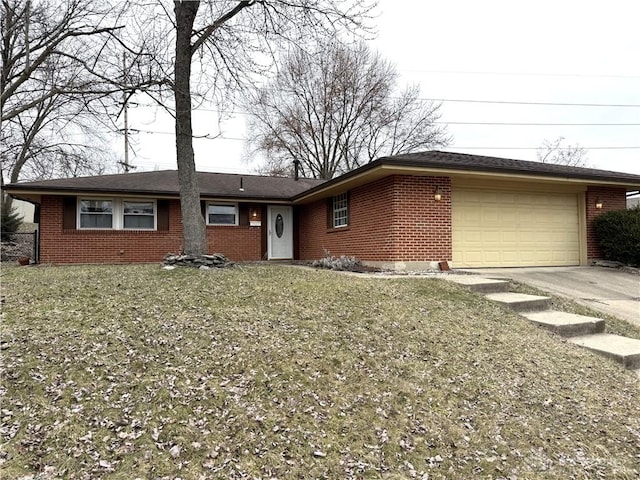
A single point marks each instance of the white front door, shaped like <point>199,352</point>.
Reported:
<point>280,232</point>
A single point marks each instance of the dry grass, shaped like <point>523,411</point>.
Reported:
<point>279,372</point>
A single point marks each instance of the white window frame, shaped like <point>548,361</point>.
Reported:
<point>340,206</point>
<point>117,213</point>
<point>141,200</point>
<point>95,199</point>
<point>222,204</point>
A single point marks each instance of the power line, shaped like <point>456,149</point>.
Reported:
<point>196,137</point>
<point>543,124</point>
<point>550,104</point>
<point>469,148</point>
<point>466,100</point>
<point>537,148</point>
<point>524,74</point>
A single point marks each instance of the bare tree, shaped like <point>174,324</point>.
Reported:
<point>234,43</point>
<point>555,152</point>
<point>333,109</point>
<point>61,65</point>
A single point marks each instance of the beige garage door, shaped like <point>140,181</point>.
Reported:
<point>514,229</point>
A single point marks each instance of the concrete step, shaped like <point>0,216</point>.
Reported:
<point>479,284</point>
<point>566,324</point>
<point>520,302</point>
<point>622,349</point>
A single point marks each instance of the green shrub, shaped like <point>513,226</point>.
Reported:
<point>618,235</point>
<point>10,221</point>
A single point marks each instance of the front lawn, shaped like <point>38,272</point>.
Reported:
<point>130,372</point>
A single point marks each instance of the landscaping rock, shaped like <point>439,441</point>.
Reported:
<point>203,262</point>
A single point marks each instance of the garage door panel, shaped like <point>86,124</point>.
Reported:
<point>539,237</point>
<point>489,217</point>
<point>509,237</point>
<point>473,256</point>
<point>508,215</point>
<point>508,256</point>
<point>491,237</point>
<point>499,228</point>
<point>492,256</point>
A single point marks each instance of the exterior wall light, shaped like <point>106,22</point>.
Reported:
<point>254,217</point>
<point>437,196</point>
<point>598,203</point>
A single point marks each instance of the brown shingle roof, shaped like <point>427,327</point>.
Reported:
<point>462,161</point>
<point>224,185</point>
<point>165,182</point>
<point>436,160</point>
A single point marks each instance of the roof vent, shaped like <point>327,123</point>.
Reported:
<point>241,186</point>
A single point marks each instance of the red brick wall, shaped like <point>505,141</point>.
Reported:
<point>422,225</point>
<point>612,199</point>
<point>236,243</point>
<point>368,235</point>
<point>392,219</point>
<point>118,246</point>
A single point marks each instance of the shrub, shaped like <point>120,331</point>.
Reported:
<point>618,235</point>
<point>343,262</point>
<point>10,221</point>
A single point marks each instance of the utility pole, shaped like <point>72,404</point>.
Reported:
<point>27,21</point>
<point>126,137</point>
<point>126,121</point>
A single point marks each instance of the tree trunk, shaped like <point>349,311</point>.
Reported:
<point>193,227</point>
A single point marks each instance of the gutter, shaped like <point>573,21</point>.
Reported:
<point>626,180</point>
<point>30,190</point>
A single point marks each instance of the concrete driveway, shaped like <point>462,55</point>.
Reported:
<point>605,289</point>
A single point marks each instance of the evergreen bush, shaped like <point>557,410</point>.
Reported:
<point>10,221</point>
<point>618,235</point>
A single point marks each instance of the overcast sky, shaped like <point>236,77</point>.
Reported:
<point>468,54</point>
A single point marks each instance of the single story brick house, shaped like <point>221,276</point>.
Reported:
<point>404,212</point>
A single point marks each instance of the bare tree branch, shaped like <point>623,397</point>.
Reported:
<point>333,110</point>
<point>60,67</point>
<point>554,152</point>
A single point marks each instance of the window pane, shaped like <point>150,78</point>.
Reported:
<point>222,214</point>
<point>340,210</point>
<point>92,220</point>
<point>96,214</point>
<point>222,209</point>
<point>138,208</point>
<point>96,206</point>
<point>223,219</point>
<point>138,221</point>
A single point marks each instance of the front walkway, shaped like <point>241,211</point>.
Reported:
<point>584,331</point>
<point>607,290</point>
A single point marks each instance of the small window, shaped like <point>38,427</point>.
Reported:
<point>139,215</point>
<point>222,214</point>
<point>340,210</point>
<point>96,214</point>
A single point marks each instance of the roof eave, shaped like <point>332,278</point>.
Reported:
<point>17,191</point>
<point>399,165</point>
<point>43,190</point>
